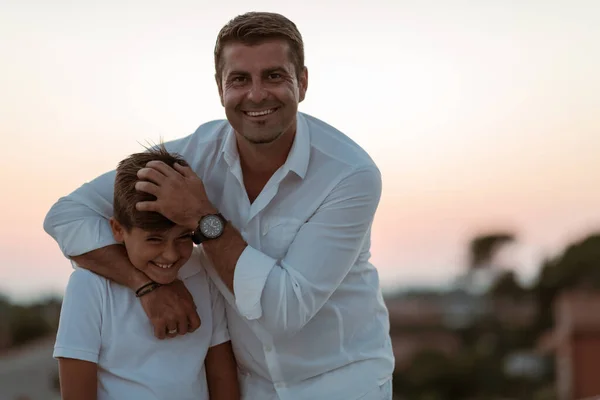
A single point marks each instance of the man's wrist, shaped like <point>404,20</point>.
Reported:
<point>137,280</point>
<point>195,220</point>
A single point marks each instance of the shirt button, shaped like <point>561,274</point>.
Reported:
<point>268,348</point>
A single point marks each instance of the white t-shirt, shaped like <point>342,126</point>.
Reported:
<point>104,323</point>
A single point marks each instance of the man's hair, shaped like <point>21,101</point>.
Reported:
<point>254,28</point>
<point>126,195</point>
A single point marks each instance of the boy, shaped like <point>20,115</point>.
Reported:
<point>106,347</point>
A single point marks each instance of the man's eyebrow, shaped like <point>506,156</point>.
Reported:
<point>236,72</point>
<point>264,71</point>
<point>274,69</point>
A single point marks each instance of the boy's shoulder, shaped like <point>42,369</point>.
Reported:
<point>83,277</point>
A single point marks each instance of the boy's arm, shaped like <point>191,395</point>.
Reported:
<point>221,373</point>
<point>78,379</point>
<point>79,336</point>
<point>221,368</point>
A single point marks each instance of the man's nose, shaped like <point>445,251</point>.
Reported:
<point>257,92</point>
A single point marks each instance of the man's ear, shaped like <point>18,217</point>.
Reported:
<point>117,230</point>
<point>220,88</point>
<point>303,83</point>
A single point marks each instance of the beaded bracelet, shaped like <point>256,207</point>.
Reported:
<point>147,288</point>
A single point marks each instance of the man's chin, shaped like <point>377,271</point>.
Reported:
<point>263,139</point>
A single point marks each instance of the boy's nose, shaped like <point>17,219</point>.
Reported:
<point>170,254</point>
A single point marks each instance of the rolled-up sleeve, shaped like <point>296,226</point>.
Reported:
<point>79,222</point>
<point>284,295</point>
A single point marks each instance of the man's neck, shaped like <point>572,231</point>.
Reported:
<point>264,159</point>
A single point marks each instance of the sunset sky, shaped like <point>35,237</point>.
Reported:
<point>480,115</point>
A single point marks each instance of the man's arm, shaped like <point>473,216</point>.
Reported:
<point>321,255</point>
<point>78,379</point>
<point>324,250</point>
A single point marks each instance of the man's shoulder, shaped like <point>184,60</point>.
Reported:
<point>205,138</point>
<point>333,143</point>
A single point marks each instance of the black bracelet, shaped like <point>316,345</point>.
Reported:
<point>147,288</point>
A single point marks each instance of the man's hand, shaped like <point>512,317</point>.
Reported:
<point>171,307</point>
<point>180,193</point>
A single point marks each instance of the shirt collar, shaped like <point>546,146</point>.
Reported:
<point>298,158</point>
<point>194,265</point>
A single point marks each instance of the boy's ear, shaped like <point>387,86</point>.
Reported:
<point>117,230</point>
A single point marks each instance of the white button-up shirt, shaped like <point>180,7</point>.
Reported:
<point>307,320</point>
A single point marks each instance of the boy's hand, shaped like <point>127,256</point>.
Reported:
<point>171,308</point>
<point>180,193</point>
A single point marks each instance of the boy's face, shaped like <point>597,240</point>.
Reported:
<point>159,255</point>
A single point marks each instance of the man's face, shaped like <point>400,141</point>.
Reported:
<point>159,255</point>
<point>260,89</point>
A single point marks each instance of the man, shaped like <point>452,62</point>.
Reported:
<point>283,205</point>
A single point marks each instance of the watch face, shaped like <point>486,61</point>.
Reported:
<point>211,226</point>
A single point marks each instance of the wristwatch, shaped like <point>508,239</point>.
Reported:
<point>210,227</point>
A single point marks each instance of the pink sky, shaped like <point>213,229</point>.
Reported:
<point>478,116</point>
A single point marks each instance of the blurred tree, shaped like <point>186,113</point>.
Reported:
<point>27,323</point>
<point>483,248</point>
<point>506,285</point>
<point>577,267</point>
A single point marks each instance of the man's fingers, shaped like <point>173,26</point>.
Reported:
<point>183,170</point>
<point>194,321</point>
<point>147,206</point>
<point>182,326</point>
<point>172,329</point>
<point>152,175</point>
<point>162,168</point>
<point>160,330</point>
<point>148,187</point>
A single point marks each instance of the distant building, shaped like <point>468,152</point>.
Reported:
<point>575,342</point>
<point>430,321</point>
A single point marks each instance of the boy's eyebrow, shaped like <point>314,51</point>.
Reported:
<point>154,233</point>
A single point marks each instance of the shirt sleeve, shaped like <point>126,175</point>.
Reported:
<point>80,325</point>
<point>284,295</point>
<point>220,333</point>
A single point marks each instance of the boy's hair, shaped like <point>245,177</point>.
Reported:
<point>255,27</point>
<point>126,195</point>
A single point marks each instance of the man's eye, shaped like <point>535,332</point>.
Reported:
<point>238,79</point>
<point>153,239</point>
<point>185,237</point>
<point>274,76</point>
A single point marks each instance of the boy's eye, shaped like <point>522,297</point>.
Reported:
<point>185,237</point>
<point>153,239</point>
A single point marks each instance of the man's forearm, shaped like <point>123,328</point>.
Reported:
<point>112,263</point>
<point>224,253</point>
